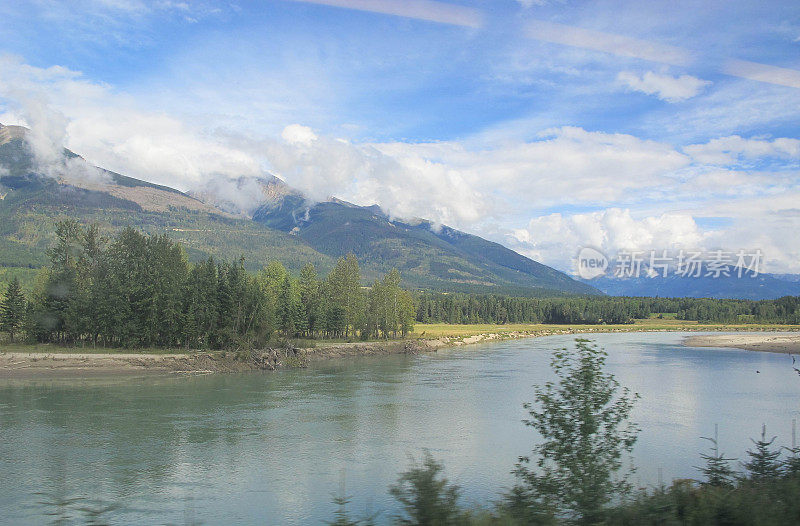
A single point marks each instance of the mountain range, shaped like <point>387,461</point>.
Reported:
<point>749,286</point>
<point>284,226</point>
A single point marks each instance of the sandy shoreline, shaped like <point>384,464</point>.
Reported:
<point>777,343</point>
<point>21,365</point>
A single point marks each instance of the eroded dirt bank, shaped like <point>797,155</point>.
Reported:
<point>38,364</point>
<point>43,364</point>
<point>56,364</point>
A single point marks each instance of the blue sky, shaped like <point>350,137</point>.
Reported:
<point>545,125</point>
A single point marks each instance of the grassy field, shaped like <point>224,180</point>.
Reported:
<point>438,330</point>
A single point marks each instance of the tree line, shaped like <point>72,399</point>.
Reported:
<point>135,290</point>
<point>484,308</point>
<point>433,307</point>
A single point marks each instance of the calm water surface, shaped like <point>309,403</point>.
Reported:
<point>273,448</point>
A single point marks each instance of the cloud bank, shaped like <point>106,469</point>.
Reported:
<point>726,151</point>
<point>554,237</point>
<point>62,109</point>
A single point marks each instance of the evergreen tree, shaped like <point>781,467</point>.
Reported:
<point>167,268</point>
<point>345,298</point>
<point>236,285</point>
<point>225,302</point>
<point>12,309</point>
<point>763,465</point>
<point>62,279</point>
<point>286,308</point>
<point>200,303</point>
<point>31,324</point>
<point>128,286</point>
<point>354,302</point>
<point>80,317</point>
<point>310,298</point>
<point>791,466</point>
<point>717,470</point>
<point>332,304</point>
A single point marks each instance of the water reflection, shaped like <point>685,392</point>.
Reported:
<point>272,447</point>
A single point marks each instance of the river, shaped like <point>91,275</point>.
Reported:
<point>274,448</point>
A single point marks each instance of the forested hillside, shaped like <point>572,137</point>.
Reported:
<point>431,257</point>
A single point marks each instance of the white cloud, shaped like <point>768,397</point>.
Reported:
<point>652,51</point>
<point>131,6</point>
<point>323,167</point>
<point>21,84</point>
<point>760,222</point>
<point>608,43</point>
<point>762,73</point>
<point>64,110</point>
<point>665,87</point>
<point>235,196</point>
<point>298,134</point>
<point>527,4</point>
<point>429,10</point>
<point>413,187</point>
<point>319,166</point>
<point>556,238</point>
<point>451,183</point>
<point>107,9</point>
<point>565,165</point>
<point>725,151</point>
<point>766,222</point>
<point>732,107</point>
<point>47,128</point>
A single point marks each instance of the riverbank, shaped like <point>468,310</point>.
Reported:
<point>42,361</point>
<point>777,343</point>
<point>60,362</point>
